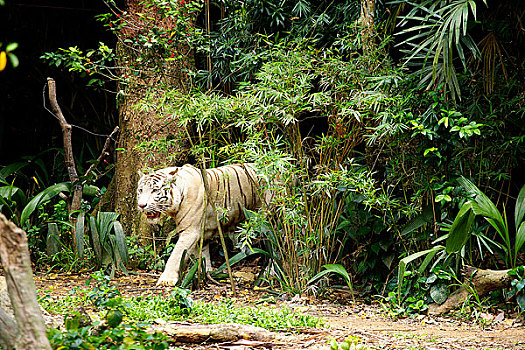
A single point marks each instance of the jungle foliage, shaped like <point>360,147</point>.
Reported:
<point>371,149</point>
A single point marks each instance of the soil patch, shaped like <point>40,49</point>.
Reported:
<point>364,321</point>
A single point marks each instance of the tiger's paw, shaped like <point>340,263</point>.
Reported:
<point>167,280</point>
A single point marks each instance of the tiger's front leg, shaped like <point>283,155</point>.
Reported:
<point>187,241</point>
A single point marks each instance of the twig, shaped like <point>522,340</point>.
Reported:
<point>103,153</point>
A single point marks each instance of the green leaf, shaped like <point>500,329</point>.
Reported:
<point>11,169</point>
<point>236,258</point>
<point>120,240</point>
<point>443,197</point>
<point>485,207</point>
<point>337,269</point>
<point>11,46</point>
<point>96,240</point>
<point>519,211</point>
<point>407,260</point>
<point>520,299</point>
<point>43,197</point>
<point>429,257</point>
<point>104,223</point>
<point>90,190</point>
<point>13,193</point>
<point>418,221</point>
<point>53,239</point>
<point>460,230</point>
<point>72,321</point>
<point>439,293</point>
<point>520,238</point>
<point>14,60</point>
<point>79,234</point>
<point>189,276</point>
<point>428,150</point>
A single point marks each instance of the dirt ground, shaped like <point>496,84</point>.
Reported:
<point>368,322</point>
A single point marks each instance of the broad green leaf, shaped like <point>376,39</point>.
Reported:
<point>460,230</point>
<point>238,257</point>
<point>439,293</point>
<point>485,207</point>
<point>79,234</point>
<point>11,47</point>
<point>120,240</point>
<point>104,223</point>
<point>418,221</point>
<point>407,260</point>
<point>43,197</point>
<point>90,190</point>
<point>189,276</point>
<point>13,193</point>
<point>11,169</point>
<point>338,269</point>
<point>318,276</point>
<point>53,239</point>
<point>14,60</point>
<point>520,237</point>
<point>96,240</point>
<point>520,299</point>
<point>519,212</point>
<point>429,257</point>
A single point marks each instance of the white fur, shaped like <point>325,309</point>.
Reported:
<point>185,204</point>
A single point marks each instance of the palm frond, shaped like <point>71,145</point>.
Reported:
<point>439,38</point>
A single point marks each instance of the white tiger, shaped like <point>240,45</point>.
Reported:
<point>179,193</point>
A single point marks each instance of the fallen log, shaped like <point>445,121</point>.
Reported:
<point>215,333</point>
<point>475,280</point>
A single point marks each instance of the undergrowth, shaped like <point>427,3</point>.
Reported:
<point>221,311</point>
<point>178,306</point>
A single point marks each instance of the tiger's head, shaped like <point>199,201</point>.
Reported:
<point>156,194</point>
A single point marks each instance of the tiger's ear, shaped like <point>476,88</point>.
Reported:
<point>141,174</point>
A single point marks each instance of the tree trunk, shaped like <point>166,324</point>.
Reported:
<point>28,332</point>
<point>137,125</point>
<point>366,23</point>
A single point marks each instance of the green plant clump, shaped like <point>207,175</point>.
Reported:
<point>178,308</point>
<point>108,303</point>
<point>112,330</point>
